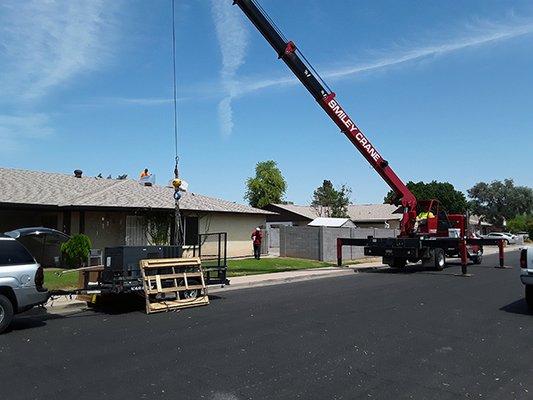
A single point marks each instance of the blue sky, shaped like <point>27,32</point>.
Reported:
<point>443,89</point>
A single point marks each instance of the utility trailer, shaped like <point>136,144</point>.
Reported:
<point>122,271</point>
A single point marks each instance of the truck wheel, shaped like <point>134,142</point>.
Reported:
<point>398,263</point>
<point>440,259</point>
<point>478,258</point>
<point>6,313</point>
<point>529,296</point>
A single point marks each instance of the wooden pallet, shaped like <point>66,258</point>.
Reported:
<point>167,283</point>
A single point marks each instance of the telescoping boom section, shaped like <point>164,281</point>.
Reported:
<point>326,98</point>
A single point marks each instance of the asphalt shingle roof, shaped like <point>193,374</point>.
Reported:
<point>356,212</point>
<point>305,211</point>
<point>52,189</point>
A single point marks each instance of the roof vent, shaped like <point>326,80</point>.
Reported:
<point>78,173</point>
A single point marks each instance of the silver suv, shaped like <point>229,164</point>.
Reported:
<point>21,281</point>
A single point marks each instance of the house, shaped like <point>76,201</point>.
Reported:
<point>362,215</point>
<point>479,225</point>
<point>332,222</point>
<point>119,212</point>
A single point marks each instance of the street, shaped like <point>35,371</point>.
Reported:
<point>379,334</point>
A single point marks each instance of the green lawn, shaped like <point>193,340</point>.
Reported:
<point>248,266</point>
<point>67,281</point>
<point>251,266</point>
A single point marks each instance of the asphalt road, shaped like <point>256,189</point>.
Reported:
<point>381,335</point>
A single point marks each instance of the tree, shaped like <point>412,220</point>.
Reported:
<point>521,223</point>
<point>499,201</point>
<point>331,202</point>
<point>450,199</point>
<point>268,185</point>
<point>158,228</point>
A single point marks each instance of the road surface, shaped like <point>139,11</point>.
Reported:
<point>381,335</point>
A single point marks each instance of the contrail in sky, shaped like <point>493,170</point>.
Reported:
<point>232,39</point>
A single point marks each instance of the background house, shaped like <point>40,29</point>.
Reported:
<point>377,216</point>
<point>118,212</point>
<point>479,225</point>
<point>362,215</point>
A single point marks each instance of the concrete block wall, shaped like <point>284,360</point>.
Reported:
<point>300,242</point>
<point>320,243</point>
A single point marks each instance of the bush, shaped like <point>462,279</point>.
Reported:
<point>521,223</point>
<point>76,250</point>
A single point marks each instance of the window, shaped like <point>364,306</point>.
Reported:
<point>191,231</point>
<point>13,253</point>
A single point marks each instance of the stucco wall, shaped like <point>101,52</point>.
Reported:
<point>14,219</point>
<point>393,224</point>
<point>105,229</point>
<point>239,228</point>
<point>109,229</point>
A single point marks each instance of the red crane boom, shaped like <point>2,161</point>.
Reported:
<point>301,68</point>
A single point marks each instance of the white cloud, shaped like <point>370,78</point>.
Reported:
<point>483,34</point>
<point>232,39</point>
<point>27,126</point>
<point>46,43</point>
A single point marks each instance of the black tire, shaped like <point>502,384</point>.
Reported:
<point>529,296</point>
<point>6,313</point>
<point>190,294</point>
<point>478,258</point>
<point>439,259</point>
<point>398,263</point>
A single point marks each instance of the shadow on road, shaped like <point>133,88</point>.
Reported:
<point>36,318</point>
<point>517,307</point>
<point>119,304</point>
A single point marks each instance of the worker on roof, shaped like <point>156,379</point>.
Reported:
<point>145,173</point>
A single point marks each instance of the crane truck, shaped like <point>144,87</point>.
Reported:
<point>430,240</point>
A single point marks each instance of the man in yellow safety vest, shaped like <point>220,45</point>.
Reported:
<point>422,218</point>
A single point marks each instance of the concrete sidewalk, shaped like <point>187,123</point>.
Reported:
<point>65,305</point>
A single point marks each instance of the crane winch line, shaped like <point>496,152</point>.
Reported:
<point>176,182</point>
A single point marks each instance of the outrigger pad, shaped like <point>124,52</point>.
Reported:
<point>173,283</point>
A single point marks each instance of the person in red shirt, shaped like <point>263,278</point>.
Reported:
<point>257,237</point>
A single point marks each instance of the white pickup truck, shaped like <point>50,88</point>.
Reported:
<point>526,275</point>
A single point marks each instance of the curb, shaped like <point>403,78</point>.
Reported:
<point>65,306</point>
<point>280,281</point>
